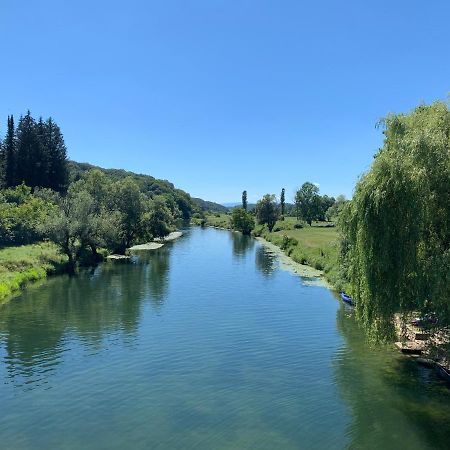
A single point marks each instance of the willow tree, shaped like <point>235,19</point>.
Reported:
<point>396,229</point>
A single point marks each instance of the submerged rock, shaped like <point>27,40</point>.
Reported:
<point>118,257</point>
<point>147,246</point>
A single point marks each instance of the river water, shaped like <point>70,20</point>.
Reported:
<point>205,343</point>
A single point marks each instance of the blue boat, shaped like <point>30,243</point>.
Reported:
<point>346,298</point>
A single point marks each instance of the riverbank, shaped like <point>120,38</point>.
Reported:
<point>315,247</point>
<point>25,264</point>
<point>310,275</point>
<point>22,265</point>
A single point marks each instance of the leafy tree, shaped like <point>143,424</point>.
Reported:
<point>131,205</point>
<point>267,211</point>
<point>396,229</point>
<point>307,202</point>
<point>160,219</point>
<point>20,216</point>
<point>244,200</point>
<point>282,202</point>
<point>325,203</point>
<point>242,221</point>
<point>335,209</point>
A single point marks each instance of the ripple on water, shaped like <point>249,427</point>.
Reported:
<point>206,344</point>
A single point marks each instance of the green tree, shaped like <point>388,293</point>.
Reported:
<point>160,220</point>
<point>28,155</point>
<point>20,215</point>
<point>307,202</point>
<point>244,200</point>
<point>131,204</point>
<point>9,155</point>
<point>325,203</point>
<point>282,202</point>
<point>242,221</point>
<point>267,211</point>
<point>335,209</point>
<point>55,153</point>
<point>396,229</point>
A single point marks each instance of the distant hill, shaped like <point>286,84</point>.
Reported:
<point>205,205</point>
<point>148,184</point>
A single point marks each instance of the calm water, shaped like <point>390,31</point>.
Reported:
<point>204,344</point>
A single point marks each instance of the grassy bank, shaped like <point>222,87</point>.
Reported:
<point>316,246</point>
<point>27,263</point>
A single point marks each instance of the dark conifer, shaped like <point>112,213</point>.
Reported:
<point>28,152</point>
<point>9,154</point>
<point>56,155</point>
<point>244,200</point>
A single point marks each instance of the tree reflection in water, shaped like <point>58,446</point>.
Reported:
<point>386,391</point>
<point>241,244</point>
<point>91,305</point>
<point>265,261</point>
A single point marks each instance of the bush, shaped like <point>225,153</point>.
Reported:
<point>298,225</point>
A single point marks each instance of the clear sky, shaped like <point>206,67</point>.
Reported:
<point>219,96</point>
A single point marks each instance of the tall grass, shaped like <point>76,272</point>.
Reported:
<point>27,263</point>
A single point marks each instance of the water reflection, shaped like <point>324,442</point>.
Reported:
<point>157,265</point>
<point>34,328</point>
<point>265,261</point>
<point>388,393</point>
<point>241,244</point>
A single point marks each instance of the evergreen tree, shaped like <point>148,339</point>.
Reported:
<point>41,178</point>
<point>35,154</point>
<point>28,152</point>
<point>9,155</point>
<point>244,200</point>
<point>55,156</point>
<point>282,202</point>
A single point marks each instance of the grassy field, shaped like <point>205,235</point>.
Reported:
<point>27,263</point>
<point>218,220</point>
<point>316,246</point>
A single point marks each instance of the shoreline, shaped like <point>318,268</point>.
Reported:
<point>311,275</point>
<point>45,260</point>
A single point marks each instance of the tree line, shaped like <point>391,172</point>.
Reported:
<point>34,154</point>
<point>308,206</point>
<point>83,209</point>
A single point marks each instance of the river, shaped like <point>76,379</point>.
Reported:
<point>206,343</point>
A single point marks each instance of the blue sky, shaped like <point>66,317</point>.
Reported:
<point>219,96</point>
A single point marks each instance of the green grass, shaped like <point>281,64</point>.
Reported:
<point>218,220</point>
<point>27,263</point>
